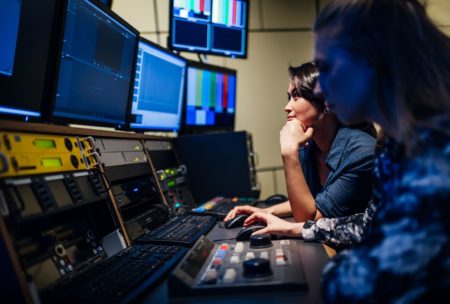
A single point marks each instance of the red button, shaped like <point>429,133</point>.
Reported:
<point>224,247</point>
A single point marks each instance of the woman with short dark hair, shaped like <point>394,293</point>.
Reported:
<point>328,166</point>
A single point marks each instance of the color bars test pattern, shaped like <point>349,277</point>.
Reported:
<point>209,93</point>
<point>200,9</point>
<point>228,12</point>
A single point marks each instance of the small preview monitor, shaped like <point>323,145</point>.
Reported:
<point>158,89</point>
<point>210,98</point>
<point>96,66</point>
<point>209,26</point>
<point>26,52</point>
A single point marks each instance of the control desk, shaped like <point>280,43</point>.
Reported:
<point>312,257</point>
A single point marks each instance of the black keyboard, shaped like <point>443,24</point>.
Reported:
<point>120,278</point>
<point>220,206</point>
<point>182,230</point>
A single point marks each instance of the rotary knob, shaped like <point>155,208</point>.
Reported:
<point>257,268</point>
<point>260,241</point>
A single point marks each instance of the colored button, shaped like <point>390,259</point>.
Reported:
<point>239,247</point>
<point>229,276</point>
<point>264,255</point>
<point>210,277</point>
<point>234,259</point>
<point>249,255</point>
<point>224,247</point>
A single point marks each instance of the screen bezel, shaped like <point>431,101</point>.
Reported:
<point>130,103</point>
<point>108,3</point>
<point>208,52</point>
<point>66,120</point>
<point>189,129</point>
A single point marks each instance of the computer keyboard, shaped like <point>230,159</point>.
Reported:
<point>120,278</point>
<point>219,206</point>
<point>183,230</point>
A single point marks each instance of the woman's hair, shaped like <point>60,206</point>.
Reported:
<point>409,54</point>
<point>304,79</point>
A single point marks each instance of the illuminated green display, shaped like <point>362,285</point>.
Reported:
<point>44,144</point>
<point>171,184</point>
<point>51,162</point>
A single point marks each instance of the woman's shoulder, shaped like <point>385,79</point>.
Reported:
<point>358,135</point>
<point>358,141</point>
<point>428,170</point>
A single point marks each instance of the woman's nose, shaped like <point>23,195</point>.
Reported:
<point>288,107</point>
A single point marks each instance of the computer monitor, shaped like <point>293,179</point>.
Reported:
<point>158,89</point>
<point>96,66</point>
<point>9,28</point>
<point>26,57</point>
<point>217,164</point>
<point>210,102</point>
<point>209,26</point>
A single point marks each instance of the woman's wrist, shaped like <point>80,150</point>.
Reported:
<point>270,210</point>
<point>296,228</point>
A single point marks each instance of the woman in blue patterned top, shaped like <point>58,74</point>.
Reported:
<point>397,63</point>
<point>332,176</point>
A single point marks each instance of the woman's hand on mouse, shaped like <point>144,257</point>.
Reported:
<point>275,225</point>
<point>243,209</point>
<point>293,135</point>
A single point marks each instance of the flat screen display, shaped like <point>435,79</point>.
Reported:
<point>96,68</point>
<point>210,98</point>
<point>209,26</point>
<point>158,89</point>
<point>27,43</point>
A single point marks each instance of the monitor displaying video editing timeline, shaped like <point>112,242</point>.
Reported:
<point>96,66</point>
<point>26,52</point>
<point>210,98</point>
<point>209,26</point>
<point>158,89</point>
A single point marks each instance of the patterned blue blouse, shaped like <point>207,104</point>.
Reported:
<point>406,255</point>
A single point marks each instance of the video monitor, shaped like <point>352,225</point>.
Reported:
<point>9,28</point>
<point>217,27</point>
<point>210,102</point>
<point>96,66</point>
<point>27,42</point>
<point>158,89</point>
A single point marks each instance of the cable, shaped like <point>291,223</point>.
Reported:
<point>155,12</point>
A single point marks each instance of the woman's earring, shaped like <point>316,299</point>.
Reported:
<point>325,112</point>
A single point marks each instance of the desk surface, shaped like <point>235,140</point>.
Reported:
<point>314,257</point>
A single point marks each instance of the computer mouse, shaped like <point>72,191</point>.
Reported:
<point>237,221</point>
<point>275,199</point>
<point>245,233</point>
